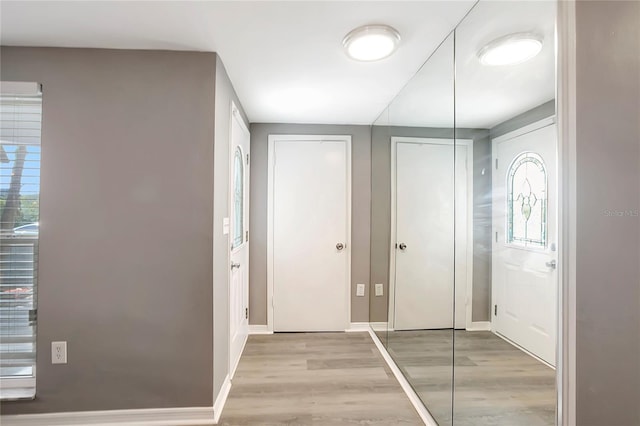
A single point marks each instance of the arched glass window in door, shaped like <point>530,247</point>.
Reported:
<point>238,199</point>
<point>527,201</point>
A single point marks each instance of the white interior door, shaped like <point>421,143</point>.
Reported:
<point>239,237</point>
<point>524,275</point>
<point>309,244</point>
<point>424,217</point>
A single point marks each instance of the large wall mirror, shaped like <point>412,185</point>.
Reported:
<point>464,222</point>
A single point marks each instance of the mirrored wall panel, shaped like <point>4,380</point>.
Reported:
<point>505,105</point>
<point>413,178</point>
<point>464,222</point>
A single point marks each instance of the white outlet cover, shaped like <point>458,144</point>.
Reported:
<point>58,352</point>
<point>379,290</point>
<point>359,289</point>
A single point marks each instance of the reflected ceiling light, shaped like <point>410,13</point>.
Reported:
<point>371,42</point>
<point>511,49</point>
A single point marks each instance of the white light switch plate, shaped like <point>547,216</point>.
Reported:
<point>359,289</point>
<point>225,226</point>
<point>379,290</point>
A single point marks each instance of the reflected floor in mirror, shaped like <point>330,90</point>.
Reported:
<point>496,383</point>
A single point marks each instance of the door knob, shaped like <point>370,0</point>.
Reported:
<point>402,246</point>
<point>234,265</point>
<point>551,264</point>
<point>339,246</point>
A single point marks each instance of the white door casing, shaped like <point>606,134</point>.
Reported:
<point>422,217</point>
<point>309,215</point>
<point>238,237</point>
<point>524,289</point>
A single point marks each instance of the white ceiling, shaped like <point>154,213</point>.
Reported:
<point>285,59</point>
<point>484,96</point>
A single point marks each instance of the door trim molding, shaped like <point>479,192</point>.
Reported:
<point>392,250</point>
<point>567,181</point>
<point>272,140</point>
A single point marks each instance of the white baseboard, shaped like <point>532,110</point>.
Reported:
<point>379,326</point>
<point>358,327</point>
<point>218,406</point>
<point>187,416</point>
<point>480,326</point>
<point>411,394</point>
<point>259,329</point>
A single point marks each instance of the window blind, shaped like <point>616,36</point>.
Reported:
<point>20,133</point>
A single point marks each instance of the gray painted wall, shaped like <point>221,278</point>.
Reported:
<point>126,229</point>
<point>381,212</point>
<point>538,113</point>
<point>224,95</point>
<point>361,212</point>
<point>608,247</point>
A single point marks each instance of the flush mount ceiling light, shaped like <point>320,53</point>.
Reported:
<point>511,49</point>
<point>371,42</point>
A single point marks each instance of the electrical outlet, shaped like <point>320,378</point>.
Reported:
<point>359,289</point>
<point>379,290</point>
<point>58,352</point>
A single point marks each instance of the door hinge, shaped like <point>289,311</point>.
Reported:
<point>247,158</point>
<point>495,310</point>
<point>496,236</point>
<point>246,313</point>
<point>496,164</point>
<point>246,236</point>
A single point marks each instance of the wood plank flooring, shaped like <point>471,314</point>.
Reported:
<point>496,384</point>
<point>315,379</point>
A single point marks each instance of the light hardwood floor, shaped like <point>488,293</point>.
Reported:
<point>496,384</point>
<point>315,379</point>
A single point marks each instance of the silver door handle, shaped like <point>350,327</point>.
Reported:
<point>340,246</point>
<point>234,265</point>
<point>552,264</point>
<point>402,246</point>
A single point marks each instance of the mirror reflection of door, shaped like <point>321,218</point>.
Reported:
<point>423,220</point>
<point>525,278</point>
<point>239,237</point>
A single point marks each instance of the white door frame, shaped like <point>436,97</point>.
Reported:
<point>235,115</point>
<point>567,216</point>
<point>273,139</point>
<point>392,250</point>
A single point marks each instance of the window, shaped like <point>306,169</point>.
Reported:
<point>527,201</point>
<point>238,199</point>
<point>20,128</point>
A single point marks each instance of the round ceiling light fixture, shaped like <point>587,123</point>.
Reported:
<point>511,49</point>
<point>371,42</point>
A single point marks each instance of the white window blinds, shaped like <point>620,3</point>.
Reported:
<point>20,131</point>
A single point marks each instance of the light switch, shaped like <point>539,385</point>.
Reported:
<point>359,289</point>
<point>225,226</point>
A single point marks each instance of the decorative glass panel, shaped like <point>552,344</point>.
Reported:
<point>238,199</point>
<point>527,201</point>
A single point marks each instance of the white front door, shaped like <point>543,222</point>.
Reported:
<point>309,232</point>
<point>239,238</point>
<point>424,216</point>
<point>525,281</point>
